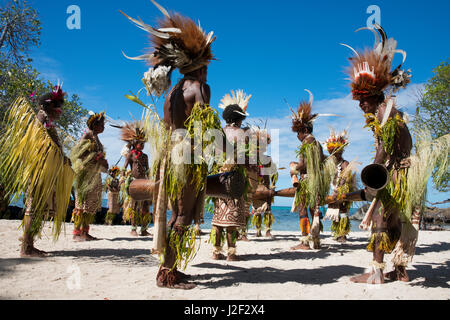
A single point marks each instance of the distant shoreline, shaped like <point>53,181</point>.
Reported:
<point>285,220</point>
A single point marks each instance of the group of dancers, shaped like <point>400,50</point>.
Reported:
<point>33,163</point>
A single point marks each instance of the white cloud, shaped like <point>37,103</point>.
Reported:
<point>110,139</point>
<point>49,68</point>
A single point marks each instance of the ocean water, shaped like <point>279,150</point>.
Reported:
<point>285,220</point>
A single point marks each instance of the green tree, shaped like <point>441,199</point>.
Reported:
<point>25,81</point>
<point>432,111</point>
<point>20,29</point>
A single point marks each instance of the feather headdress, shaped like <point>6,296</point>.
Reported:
<point>133,132</point>
<point>95,117</point>
<point>239,98</point>
<point>370,71</point>
<point>336,141</point>
<point>114,171</point>
<point>56,95</point>
<point>178,43</point>
<point>303,117</point>
<point>261,135</point>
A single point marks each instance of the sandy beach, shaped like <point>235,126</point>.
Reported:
<point>120,266</point>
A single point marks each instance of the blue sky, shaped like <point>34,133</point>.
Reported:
<point>271,49</point>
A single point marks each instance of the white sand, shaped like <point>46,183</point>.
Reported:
<point>121,267</point>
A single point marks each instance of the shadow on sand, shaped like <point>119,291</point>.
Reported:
<point>435,247</point>
<point>121,256</point>
<point>7,265</point>
<point>436,275</point>
<point>267,275</point>
<point>149,238</point>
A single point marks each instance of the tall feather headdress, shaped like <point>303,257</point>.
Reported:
<point>133,132</point>
<point>57,94</point>
<point>336,141</point>
<point>95,117</point>
<point>178,43</point>
<point>239,97</point>
<point>370,71</point>
<point>303,116</point>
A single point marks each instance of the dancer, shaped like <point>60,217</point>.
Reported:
<point>88,160</point>
<point>112,186</point>
<point>343,182</point>
<point>179,43</point>
<point>401,203</point>
<point>32,162</point>
<point>262,208</point>
<point>230,215</point>
<point>136,212</point>
<point>315,175</point>
<point>373,85</point>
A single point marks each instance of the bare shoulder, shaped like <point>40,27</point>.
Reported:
<point>129,157</point>
<point>310,139</point>
<point>199,90</point>
<point>87,136</point>
<point>382,110</point>
<point>345,164</point>
<point>197,85</point>
<point>42,116</point>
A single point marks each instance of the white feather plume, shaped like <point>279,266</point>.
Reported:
<point>239,97</point>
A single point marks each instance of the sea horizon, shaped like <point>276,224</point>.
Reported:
<point>285,220</point>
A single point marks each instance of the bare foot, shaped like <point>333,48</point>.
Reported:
<point>134,233</point>
<point>78,238</point>
<point>182,275</point>
<point>88,237</point>
<point>392,275</point>
<point>218,256</point>
<point>398,274</point>
<point>402,274</point>
<point>342,239</point>
<point>268,234</point>
<point>316,243</point>
<point>33,252</point>
<point>180,285</point>
<point>144,233</point>
<point>301,246</point>
<point>244,238</point>
<point>370,278</point>
<point>233,257</point>
<point>173,280</point>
